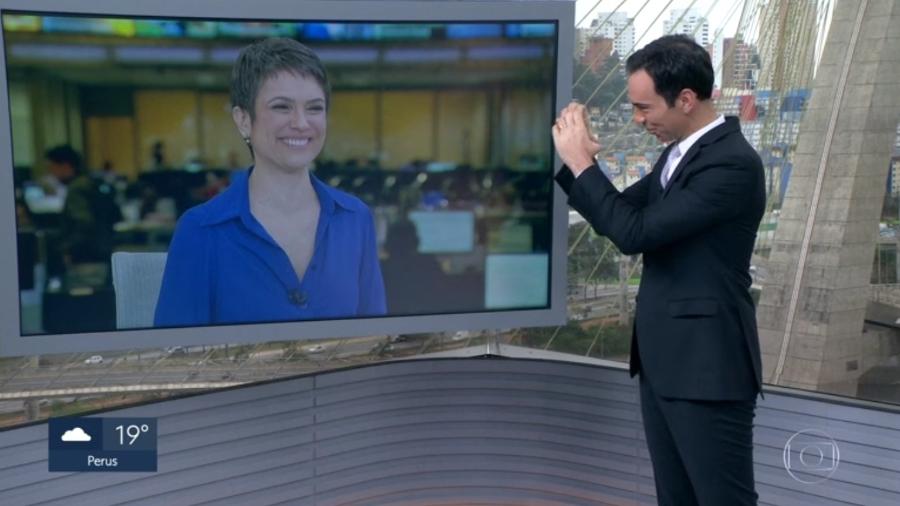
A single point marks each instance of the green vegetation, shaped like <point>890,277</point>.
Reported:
<point>614,342</point>
<point>590,250</point>
<point>608,341</point>
<point>614,74</point>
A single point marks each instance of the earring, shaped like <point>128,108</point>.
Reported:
<point>247,140</point>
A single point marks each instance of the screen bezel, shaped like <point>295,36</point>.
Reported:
<point>13,343</point>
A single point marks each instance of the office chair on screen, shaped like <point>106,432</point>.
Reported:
<point>137,278</point>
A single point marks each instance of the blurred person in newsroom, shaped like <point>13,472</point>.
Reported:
<point>694,218</point>
<point>278,244</point>
<point>89,209</point>
<point>416,282</point>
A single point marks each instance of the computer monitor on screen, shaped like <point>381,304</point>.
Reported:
<point>516,280</point>
<point>444,231</point>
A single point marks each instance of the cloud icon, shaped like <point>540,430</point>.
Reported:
<point>77,435</point>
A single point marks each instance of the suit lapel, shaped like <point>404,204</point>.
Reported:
<point>731,125</point>
<point>686,159</point>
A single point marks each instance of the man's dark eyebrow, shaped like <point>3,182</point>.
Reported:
<point>639,104</point>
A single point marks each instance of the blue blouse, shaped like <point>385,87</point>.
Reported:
<point>223,267</point>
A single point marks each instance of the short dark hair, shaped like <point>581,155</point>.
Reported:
<point>263,59</point>
<point>675,62</point>
<point>64,154</point>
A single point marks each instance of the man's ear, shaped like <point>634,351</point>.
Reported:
<point>687,100</point>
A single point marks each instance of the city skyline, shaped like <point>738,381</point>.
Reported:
<point>649,26</point>
<point>617,27</point>
<point>724,19</point>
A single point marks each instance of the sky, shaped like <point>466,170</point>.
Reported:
<point>723,16</point>
<point>716,11</point>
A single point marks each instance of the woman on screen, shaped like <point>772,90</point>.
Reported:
<point>278,244</point>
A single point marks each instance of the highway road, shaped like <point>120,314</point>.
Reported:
<point>202,365</point>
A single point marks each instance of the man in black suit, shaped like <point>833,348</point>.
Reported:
<point>694,218</point>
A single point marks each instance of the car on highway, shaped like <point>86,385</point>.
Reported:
<point>460,335</point>
<point>316,348</point>
<point>94,359</point>
<point>176,350</point>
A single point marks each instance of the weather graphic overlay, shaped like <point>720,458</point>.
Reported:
<point>102,444</point>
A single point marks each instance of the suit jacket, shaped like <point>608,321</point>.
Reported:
<point>695,333</point>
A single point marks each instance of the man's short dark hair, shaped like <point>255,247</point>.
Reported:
<point>64,154</point>
<point>265,58</point>
<point>675,63</point>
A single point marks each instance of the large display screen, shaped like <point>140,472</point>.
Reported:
<point>365,167</point>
